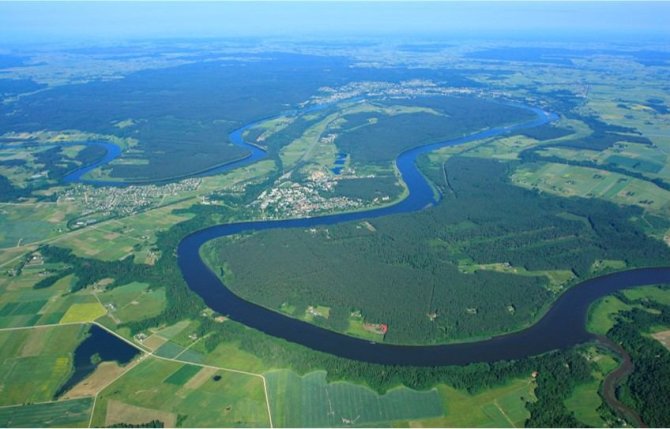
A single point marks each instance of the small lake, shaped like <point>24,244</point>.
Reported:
<point>99,346</point>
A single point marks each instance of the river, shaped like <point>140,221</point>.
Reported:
<point>562,326</point>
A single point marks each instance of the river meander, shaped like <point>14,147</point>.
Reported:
<point>562,326</point>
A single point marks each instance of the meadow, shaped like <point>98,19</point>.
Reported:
<point>182,395</point>
<point>74,413</point>
<point>502,406</point>
<point>36,361</point>
<point>311,401</point>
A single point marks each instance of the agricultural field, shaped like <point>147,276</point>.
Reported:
<point>22,305</point>
<point>570,180</point>
<point>35,362</point>
<point>183,395</point>
<point>73,413</point>
<point>311,401</point>
<point>503,406</point>
<point>119,238</point>
<point>132,302</point>
<point>26,223</point>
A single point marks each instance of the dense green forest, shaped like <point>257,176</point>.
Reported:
<point>407,266</point>
<point>182,115</point>
<point>390,135</point>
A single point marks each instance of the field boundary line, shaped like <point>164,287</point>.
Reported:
<point>495,402</point>
<point>267,400</point>
<point>146,353</point>
<point>45,402</point>
<point>50,325</point>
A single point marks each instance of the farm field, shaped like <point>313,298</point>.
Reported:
<point>72,413</point>
<point>570,180</point>
<point>191,397</point>
<point>21,224</point>
<point>36,361</point>
<point>503,406</point>
<point>310,401</point>
<point>132,302</point>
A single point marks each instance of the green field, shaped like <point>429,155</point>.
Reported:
<point>585,400</point>
<point>134,301</point>
<point>21,224</point>
<point>571,180</point>
<point>602,313</point>
<point>310,401</point>
<point>503,406</point>
<point>35,362</point>
<point>72,413</point>
<point>584,403</point>
<point>83,312</point>
<point>162,390</point>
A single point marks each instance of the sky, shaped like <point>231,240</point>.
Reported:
<point>51,20</point>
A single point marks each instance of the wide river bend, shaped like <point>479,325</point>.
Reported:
<point>562,326</point>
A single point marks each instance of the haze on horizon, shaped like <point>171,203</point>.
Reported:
<point>34,22</point>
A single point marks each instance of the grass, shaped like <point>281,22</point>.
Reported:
<point>310,401</point>
<point>28,223</point>
<point>502,406</point>
<point>557,278</point>
<point>602,312</point>
<point>183,375</point>
<point>652,293</point>
<point>35,362</point>
<point>86,312</point>
<point>134,301</point>
<point>234,400</point>
<point>584,402</point>
<point>357,329</point>
<point>72,413</point>
<point>571,180</point>
<point>229,355</point>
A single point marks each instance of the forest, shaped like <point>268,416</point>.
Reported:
<point>409,265</point>
<point>182,115</point>
<point>391,135</point>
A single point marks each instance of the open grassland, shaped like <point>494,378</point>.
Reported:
<point>119,238</point>
<point>21,305</point>
<point>230,355</point>
<point>189,398</point>
<point>35,362</point>
<point>570,180</point>
<point>132,302</point>
<point>584,402</point>
<point>25,223</point>
<point>503,406</point>
<point>310,401</point>
<point>603,312</point>
<point>73,413</point>
<point>557,278</point>
<point>83,312</point>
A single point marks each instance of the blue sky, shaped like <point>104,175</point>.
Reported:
<point>120,20</point>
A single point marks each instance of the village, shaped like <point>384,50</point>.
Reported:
<point>404,89</point>
<point>291,199</point>
<point>110,201</point>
